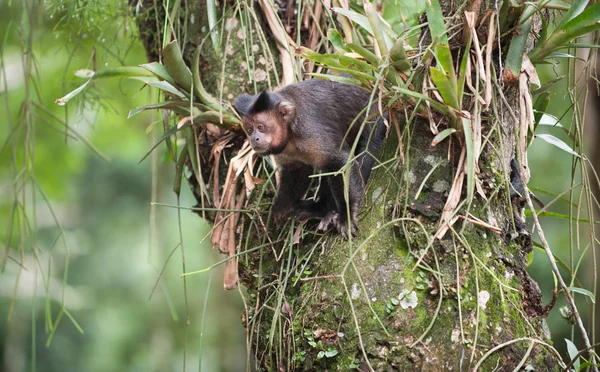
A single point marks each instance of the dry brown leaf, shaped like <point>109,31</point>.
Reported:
<point>230,278</point>
<point>482,223</point>
<point>488,61</point>
<point>470,18</point>
<point>469,81</point>
<point>182,121</point>
<point>285,44</point>
<point>526,122</point>
<point>446,219</point>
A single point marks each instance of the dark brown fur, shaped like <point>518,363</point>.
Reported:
<point>308,127</point>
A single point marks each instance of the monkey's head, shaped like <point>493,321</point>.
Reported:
<point>266,118</point>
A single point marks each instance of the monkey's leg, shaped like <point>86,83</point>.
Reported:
<point>293,185</point>
<point>324,203</point>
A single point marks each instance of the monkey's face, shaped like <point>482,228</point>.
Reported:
<point>267,132</point>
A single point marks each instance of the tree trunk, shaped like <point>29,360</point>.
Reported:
<point>396,298</point>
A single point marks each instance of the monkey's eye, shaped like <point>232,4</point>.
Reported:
<point>259,127</point>
<point>249,129</point>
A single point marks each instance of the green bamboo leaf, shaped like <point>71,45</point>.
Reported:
<point>375,22</point>
<point>336,40</point>
<point>470,143</point>
<point>166,135</point>
<point>559,216</point>
<point>584,292</point>
<point>365,53</point>
<point>546,87</point>
<point>435,19</point>
<point>443,84</point>
<point>442,136</point>
<point>558,143</point>
<point>181,107</point>
<point>573,352</point>
<point>340,60</point>
<point>363,21</point>
<point>563,55</point>
<point>355,17</point>
<point>586,22</point>
<point>122,72</point>
<point>575,9</point>
<point>442,109</point>
<point>539,107</point>
<point>162,85</point>
<point>337,78</point>
<point>398,56</point>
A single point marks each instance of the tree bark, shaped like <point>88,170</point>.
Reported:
<point>395,298</point>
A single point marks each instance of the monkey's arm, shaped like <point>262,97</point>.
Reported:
<point>293,185</point>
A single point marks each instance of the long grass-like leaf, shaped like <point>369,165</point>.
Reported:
<point>123,72</point>
<point>558,143</point>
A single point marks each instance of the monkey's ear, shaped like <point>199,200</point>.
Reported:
<point>243,104</point>
<point>262,103</point>
<point>287,110</point>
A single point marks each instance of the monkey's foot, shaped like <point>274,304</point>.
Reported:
<point>343,228</point>
<point>330,220</point>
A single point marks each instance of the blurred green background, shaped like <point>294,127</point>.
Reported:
<point>104,259</point>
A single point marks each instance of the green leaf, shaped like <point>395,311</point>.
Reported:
<point>573,352</point>
<point>122,72</point>
<point>516,50</point>
<point>584,292</point>
<point>160,71</point>
<point>331,353</point>
<point>548,119</point>
<point>384,44</point>
<point>162,85</point>
<point>586,22</point>
<point>365,53</point>
<point>336,40</point>
<point>575,9</point>
<point>321,354</point>
<point>530,257</point>
<point>181,107</point>
<point>337,78</point>
<point>173,62</point>
<point>558,143</point>
<point>355,17</point>
<point>199,90</point>
<point>559,216</point>
<point>445,87</point>
<point>442,136</point>
<point>435,18</point>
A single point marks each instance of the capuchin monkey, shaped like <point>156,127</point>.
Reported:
<point>308,128</point>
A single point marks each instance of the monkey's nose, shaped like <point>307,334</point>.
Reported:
<point>257,139</point>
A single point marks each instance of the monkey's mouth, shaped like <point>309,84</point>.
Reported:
<point>262,151</point>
